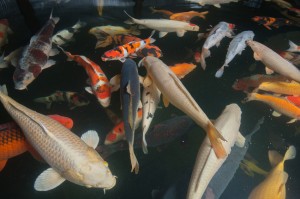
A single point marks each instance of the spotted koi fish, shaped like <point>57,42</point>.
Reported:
<point>35,56</point>
<point>122,52</point>
<point>269,22</point>
<point>13,142</point>
<point>100,86</point>
<point>118,132</point>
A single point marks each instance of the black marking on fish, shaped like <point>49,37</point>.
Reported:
<point>62,38</point>
<point>150,115</point>
<point>148,93</point>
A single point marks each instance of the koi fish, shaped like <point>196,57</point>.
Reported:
<point>69,157</point>
<point>236,46</point>
<point>99,84</point>
<point>221,30</point>
<point>175,92</point>
<point>13,141</point>
<point>4,30</point>
<point>215,3</point>
<point>187,16</point>
<point>293,47</point>
<point>295,100</point>
<point>149,50</point>
<point>269,22</point>
<point>225,174</point>
<point>254,81</point>
<point>164,26</point>
<point>273,185</point>
<point>35,56</point>
<point>294,58</point>
<point>122,52</point>
<point>285,88</point>
<point>118,132</point>
<point>64,36</point>
<point>98,31</point>
<point>280,105</point>
<point>250,168</point>
<point>207,163</point>
<point>273,61</point>
<point>164,12</point>
<point>115,40</point>
<point>130,98</point>
<point>72,98</point>
<point>158,135</point>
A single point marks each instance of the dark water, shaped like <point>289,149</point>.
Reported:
<point>160,168</point>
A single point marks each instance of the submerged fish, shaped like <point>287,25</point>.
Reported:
<point>35,56</point>
<point>13,142</point>
<point>164,26</point>
<point>187,16</point>
<point>221,30</point>
<point>215,3</point>
<point>224,175</point>
<point>280,105</point>
<point>70,157</point>
<point>267,22</point>
<point>130,99</point>
<point>64,36</point>
<point>273,185</point>
<point>279,87</point>
<point>72,98</point>
<point>293,47</point>
<point>273,61</point>
<point>174,91</point>
<point>158,135</point>
<point>236,46</point>
<point>107,40</point>
<point>164,12</point>
<point>250,167</point>
<point>207,163</point>
<point>99,84</point>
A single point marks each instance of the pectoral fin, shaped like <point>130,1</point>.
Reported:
<point>91,138</point>
<point>88,89</point>
<point>276,114</point>
<point>269,71</point>
<point>240,140</point>
<point>165,101</point>
<point>180,33</point>
<point>128,90</point>
<point>49,63</point>
<point>162,34</point>
<point>256,56</point>
<point>147,81</point>
<point>217,5</point>
<point>115,82</point>
<point>48,180</point>
<point>214,135</point>
<point>53,52</point>
<point>292,121</point>
<point>2,164</point>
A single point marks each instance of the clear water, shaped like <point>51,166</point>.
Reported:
<point>165,165</point>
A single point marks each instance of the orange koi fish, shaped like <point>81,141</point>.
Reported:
<point>244,84</point>
<point>286,88</point>
<point>99,83</point>
<point>267,22</point>
<point>187,16</point>
<point>107,40</point>
<point>118,132</point>
<point>122,52</point>
<point>295,100</point>
<point>13,142</point>
<point>182,69</point>
<point>280,105</point>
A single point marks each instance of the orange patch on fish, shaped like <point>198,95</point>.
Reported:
<point>182,69</point>
<point>294,99</point>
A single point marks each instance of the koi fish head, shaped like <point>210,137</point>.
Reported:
<point>79,100</point>
<point>193,27</point>
<point>240,85</point>
<point>115,54</point>
<point>22,79</point>
<point>256,47</point>
<point>103,94</point>
<point>197,57</point>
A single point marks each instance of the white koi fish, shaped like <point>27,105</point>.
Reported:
<point>164,26</point>
<point>207,164</point>
<point>175,92</point>
<point>221,30</point>
<point>273,61</point>
<point>70,157</point>
<point>236,46</point>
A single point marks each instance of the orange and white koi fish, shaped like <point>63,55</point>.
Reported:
<point>164,26</point>
<point>99,84</point>
<point>122,52</point>
<point>293,47</point>
<point>13,141</point>
<point>254,81</point>
<point>295,100</point>
<point>221,30</point>
<point>118,132</point>
<point>285,88</point>
<point>70,157</point>
<point>280,105</point>
<point>273,185</point>
<point>175,92</point>
<point>273,61</point>
<point>4,30</point>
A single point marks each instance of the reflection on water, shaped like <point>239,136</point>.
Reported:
<point>167,165</point>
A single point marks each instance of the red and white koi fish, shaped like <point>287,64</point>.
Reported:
<point>118,132</point>
<point>293,47</point>
<point>122,52</point>
<point>35,56</point>
<point>100,86</point>
<point>221,30</point>
<point>273,61</point>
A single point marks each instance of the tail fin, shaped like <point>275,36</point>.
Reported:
<point>3,89</point>
<point>214,135</point>
<point>293,46</point>
<point>151,39</point>
<point>144,143</point>
<point>131,21</point>
<point>290,153</point>
<point>134,163</point>
<point>220,72</point>
<point>205,53</point>
<point>2,164</point>
<point>153,10</point>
